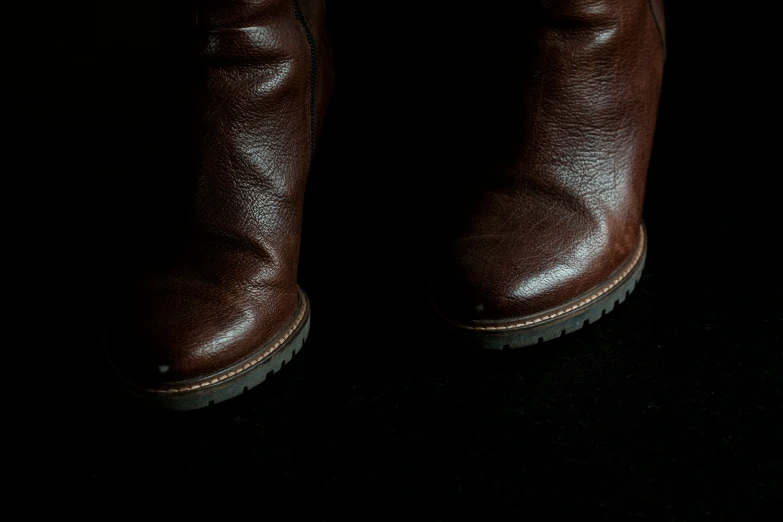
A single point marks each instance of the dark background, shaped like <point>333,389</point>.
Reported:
<point>669,408</point>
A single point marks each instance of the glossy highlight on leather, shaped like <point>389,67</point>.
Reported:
<point>564,213</point>
<point>261,88</point>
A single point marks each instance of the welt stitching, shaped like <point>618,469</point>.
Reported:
<point>582,303</point>
<point>247,365</point>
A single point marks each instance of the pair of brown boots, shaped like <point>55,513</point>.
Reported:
<point>552,240</point>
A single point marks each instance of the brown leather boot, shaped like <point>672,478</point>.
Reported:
<point>554,237</point>
<point>230,312</point>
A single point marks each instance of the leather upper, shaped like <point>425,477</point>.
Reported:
<point>234,287</point>
<point>557,216</point>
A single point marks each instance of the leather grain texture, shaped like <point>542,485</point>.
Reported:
<point>234,287</point>
<point>555,217</point>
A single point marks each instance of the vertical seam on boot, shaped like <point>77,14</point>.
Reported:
<point>658,27</point>
<point>313,71</point>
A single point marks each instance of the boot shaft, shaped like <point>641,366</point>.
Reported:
<point>566,100</point>
<point>261,79</point>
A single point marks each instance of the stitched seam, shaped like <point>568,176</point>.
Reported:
<point>582,303</point>
<point>245,366</point>
<point>658,27</point>
<point>313,70</point>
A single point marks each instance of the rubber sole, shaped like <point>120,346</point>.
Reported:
<point>501,337</point>
<point>229,383</point>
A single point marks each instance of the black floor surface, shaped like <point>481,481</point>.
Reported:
<point>669,408</point>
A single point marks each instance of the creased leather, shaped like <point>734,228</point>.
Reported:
<point>234,288</point>
<point>560,214</point>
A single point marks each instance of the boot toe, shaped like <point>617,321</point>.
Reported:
<point>496,279</point>
<point>178,337</point>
